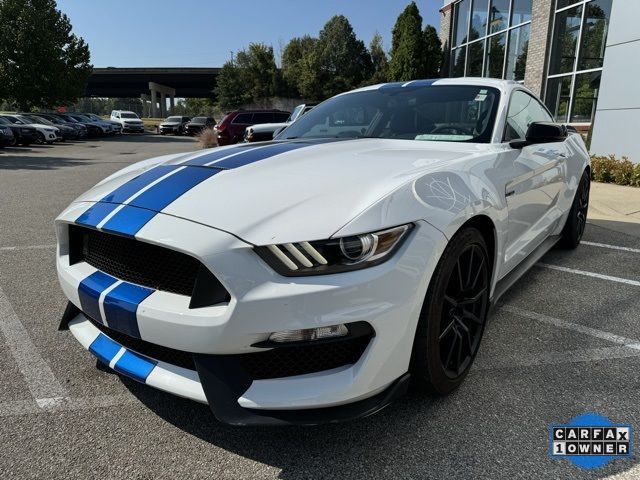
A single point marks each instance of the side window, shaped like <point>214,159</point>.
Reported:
<point>262,117</point>
<point>243,118</point>
<point>523,110</point>
<point>281,117</point>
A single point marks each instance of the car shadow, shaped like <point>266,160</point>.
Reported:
<point>415,437</point>
<point>24,162</point>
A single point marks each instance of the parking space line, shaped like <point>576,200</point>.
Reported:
<point>39,378</point>
<point>610,278</point>
<point>576,327</point>
<point>30,407</point>
<point>611,247</point>
<point>27,247</point>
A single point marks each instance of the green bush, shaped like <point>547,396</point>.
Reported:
<point>609,169</point>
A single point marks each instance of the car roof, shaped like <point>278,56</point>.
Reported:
<point>502,85</point>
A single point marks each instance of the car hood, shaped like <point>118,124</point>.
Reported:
<point>170,124</point>
<point>279,191</point>
<point>132,120</point>
<point>267,127</point>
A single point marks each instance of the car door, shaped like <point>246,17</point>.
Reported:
<point>536,182</point>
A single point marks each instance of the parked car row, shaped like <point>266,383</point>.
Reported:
<point>266,131</point>
<point>180,125</point>
<point>24,129</point>
<point>236,126</point>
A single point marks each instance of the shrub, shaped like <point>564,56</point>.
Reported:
<point>609,169</point>
<point>207,138</point>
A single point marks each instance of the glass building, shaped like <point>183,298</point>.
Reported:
<point>555,47</point>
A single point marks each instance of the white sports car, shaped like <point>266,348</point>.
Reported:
<point>313,278</point>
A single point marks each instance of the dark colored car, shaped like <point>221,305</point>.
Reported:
<point>81,130</point>
<point>174,125</point>
<point>6,136</point>
<point>92,129</point>
<point>66,132</point>
<point>23,134</point>
<point>197,124</point>
<point>231,128</point>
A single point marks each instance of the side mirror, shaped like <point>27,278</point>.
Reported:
<point>542,132</point>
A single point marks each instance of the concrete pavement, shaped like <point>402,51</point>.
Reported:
<point>615,207</point>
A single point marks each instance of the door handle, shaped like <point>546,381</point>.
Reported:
<point>509,193</point>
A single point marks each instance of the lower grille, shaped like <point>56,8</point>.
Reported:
<point>288,361</point>
<point>279,362</point>
<point>151,350</point>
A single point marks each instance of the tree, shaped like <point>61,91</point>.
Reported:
<point>408,46</point>
<point>259,71</point>
<point>229,89</point>
<point>294,56</point>
<point>379,60</point>
<point>249,76</point>
<point>339,61</point>
<point>432,52</point>
<point>42,64</point>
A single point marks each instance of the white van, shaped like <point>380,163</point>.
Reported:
<point>129,120</point>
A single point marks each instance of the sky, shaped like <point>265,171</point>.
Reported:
<point>203,33</point>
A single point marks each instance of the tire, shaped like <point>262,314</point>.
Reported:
<point>40,140</point>
<point>577,219</point>
<point>453,316</point>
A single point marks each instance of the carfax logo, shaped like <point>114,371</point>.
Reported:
<point>590,441</point>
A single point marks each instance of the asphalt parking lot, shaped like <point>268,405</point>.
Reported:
<point>565,341</point>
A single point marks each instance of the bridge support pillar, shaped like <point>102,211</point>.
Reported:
<point>154,103</point>
<point>163,90</point>
<point>172,104</point>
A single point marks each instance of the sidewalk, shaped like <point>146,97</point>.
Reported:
<point>615,207</point>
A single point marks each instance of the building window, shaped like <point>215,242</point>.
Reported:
<point>494,62</point>
<point>490,38</point>
<point>517,54</point>
<point>577,55</point>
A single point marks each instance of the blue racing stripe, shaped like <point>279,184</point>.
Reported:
<point>217,154</point>
<point>259,154</point>
<point>125,191</point>
<point>104,348</point>
<point>172,188</point>
<point>89,292</point>
<point>121,305</point>
<point>128,221</point>
<point>411,84</point>
<point>95,214</point>
<point>135,366</point>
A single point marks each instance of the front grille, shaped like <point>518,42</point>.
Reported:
<point>134,261</point>
<point>151,350</point>
<point>146,264</point>
<point>299,360</point>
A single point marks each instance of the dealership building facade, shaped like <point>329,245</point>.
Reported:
<point>580,56</point>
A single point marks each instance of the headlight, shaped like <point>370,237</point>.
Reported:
<point>334,255</point>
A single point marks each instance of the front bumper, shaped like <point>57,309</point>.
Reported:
<point>388,297</point>
<point>133,128</point>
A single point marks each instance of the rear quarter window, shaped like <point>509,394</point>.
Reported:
<point>243,118</point>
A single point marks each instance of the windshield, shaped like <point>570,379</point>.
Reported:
<point>80,118</point>
<point>174,119</point>
<point>42,120</point>
<point>453,113</point>
<point>128,115</point>
<point>295,113</point>
<point>4,121</point>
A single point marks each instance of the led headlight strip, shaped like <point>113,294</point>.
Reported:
<point>334,255</point>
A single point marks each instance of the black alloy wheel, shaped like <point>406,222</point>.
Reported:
<point>465,302</point>
<point>453,315</point>
<point>577,218</point>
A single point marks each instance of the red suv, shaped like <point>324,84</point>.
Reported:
<point>231,128</point>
